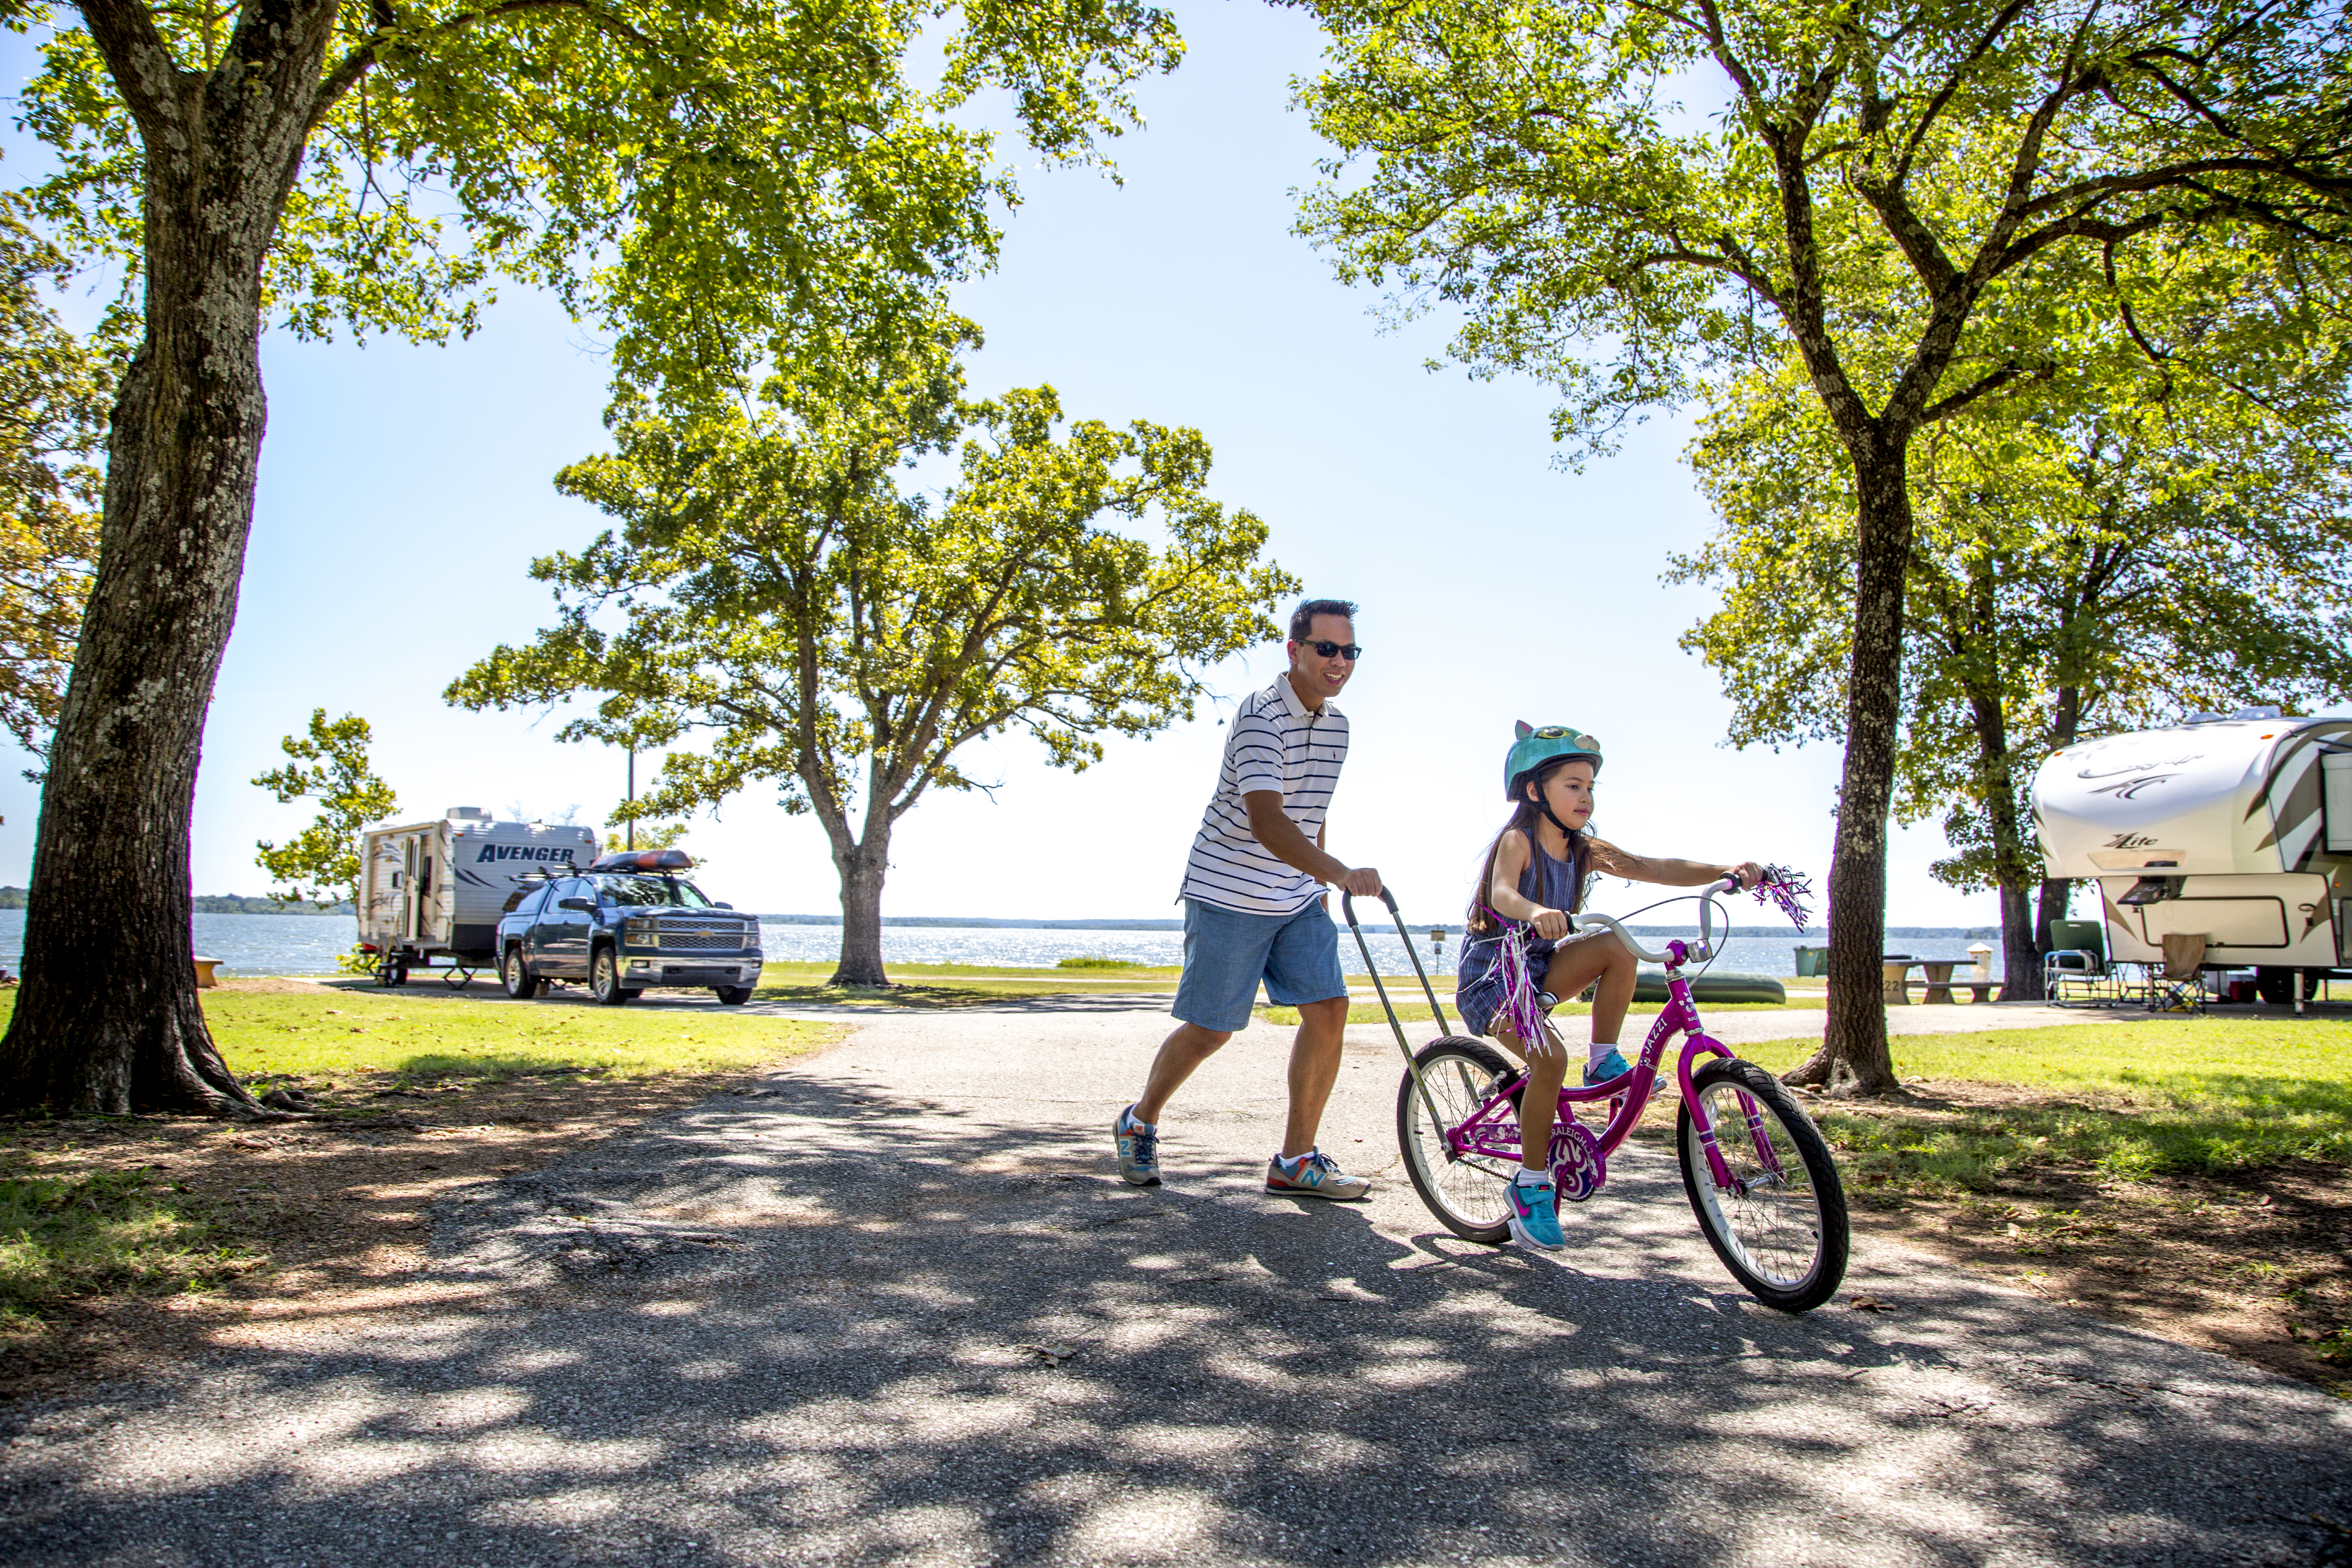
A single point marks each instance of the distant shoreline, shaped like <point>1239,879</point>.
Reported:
<point>240,904</point>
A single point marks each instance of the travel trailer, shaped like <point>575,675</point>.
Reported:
<point>436,889</point>
<point>2238,829</point>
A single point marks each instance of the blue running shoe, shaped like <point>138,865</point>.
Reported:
<point>1535,1214</point>
<point>1608,1067</point>
<point>1139,1149</point>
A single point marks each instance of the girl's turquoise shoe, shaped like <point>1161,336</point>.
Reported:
<point>1608,1067</point>
<point>1535,1214</point>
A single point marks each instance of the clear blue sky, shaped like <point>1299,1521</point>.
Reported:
<point>404,490</point>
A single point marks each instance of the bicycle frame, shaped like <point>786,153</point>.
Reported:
<point>1493,1129</point>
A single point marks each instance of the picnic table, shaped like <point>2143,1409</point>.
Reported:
<point>1937,972</point>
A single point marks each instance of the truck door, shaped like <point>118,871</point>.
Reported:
<point>564,933</point>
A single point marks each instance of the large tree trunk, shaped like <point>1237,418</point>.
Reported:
<point>2012,865</point>
<point>106,1019</point>
<point>2020,960</point>
<point>862,870</point>
<point>2057,893</point>
<point>1854,1058</point>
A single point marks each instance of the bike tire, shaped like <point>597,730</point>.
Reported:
<point>1786,1240</point>
<point>1466,1195</point>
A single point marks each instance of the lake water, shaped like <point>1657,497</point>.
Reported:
<point>307,945</point>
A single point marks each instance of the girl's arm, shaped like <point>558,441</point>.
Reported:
<point>1503,895</point>
<point>1607,857</point>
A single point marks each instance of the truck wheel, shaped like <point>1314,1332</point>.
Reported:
<point>605,979</point>
<point>733,995</point>
<point>520,982</point>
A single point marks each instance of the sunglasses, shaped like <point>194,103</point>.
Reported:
<point>1347,650</point>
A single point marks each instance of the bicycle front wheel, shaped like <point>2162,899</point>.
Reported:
<point>1780,1226</point>
<point>1465,1192</point>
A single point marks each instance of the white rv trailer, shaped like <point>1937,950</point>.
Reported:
<point>431,889</point>
<point>2237,829</point>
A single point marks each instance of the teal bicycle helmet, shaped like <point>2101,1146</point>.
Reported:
<point>1534,747</point>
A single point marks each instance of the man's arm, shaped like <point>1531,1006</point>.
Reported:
<point>1272,827</point>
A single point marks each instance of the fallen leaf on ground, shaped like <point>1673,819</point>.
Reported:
<point>1870,1304</point>
<point>1052,1355</point>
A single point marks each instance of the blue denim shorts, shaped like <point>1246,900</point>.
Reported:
<point>1226,953</point>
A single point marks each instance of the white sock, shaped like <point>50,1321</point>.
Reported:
<point>1128,1124</point>
<point>1599,1048</point>
<point>1533,1178</point>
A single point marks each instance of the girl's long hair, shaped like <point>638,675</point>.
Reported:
<point>1477,921</point>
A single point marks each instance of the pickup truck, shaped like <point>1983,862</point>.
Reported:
<point>629,922</point>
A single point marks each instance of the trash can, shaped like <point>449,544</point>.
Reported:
<point>1812,961</point>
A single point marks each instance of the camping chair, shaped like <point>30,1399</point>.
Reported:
<point>2075,972</point>
<point>2180,985</point>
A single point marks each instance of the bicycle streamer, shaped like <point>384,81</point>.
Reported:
<point>1579,1167</point>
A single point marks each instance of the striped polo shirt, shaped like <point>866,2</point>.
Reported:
<point>1274,742</point>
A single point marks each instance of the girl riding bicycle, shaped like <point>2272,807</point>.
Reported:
<point>1518,957</point>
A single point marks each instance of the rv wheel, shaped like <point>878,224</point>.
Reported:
<point>2276,985</point>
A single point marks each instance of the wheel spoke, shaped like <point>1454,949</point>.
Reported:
<point>1770,1215</point>
<point>1463,1188</point>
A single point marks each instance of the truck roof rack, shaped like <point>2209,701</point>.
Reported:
<point>645,860</point>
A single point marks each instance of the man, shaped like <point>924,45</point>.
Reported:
<point>1254,907</point>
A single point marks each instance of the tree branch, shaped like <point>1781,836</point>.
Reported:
<point>152,84</point>
<point>362,58</point>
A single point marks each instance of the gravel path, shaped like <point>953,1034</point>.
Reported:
<point>895,1308</point>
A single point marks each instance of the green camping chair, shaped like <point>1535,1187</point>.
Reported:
<point>2075,971</point>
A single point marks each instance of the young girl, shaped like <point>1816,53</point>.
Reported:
<point>1534,879</point>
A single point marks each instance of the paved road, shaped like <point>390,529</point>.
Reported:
<point>895,1311</point>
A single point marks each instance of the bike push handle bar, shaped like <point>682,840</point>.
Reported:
<point>1348,908</point>
<point>1699,953</point>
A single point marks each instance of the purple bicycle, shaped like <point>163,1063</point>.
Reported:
<point>1758,1171</point>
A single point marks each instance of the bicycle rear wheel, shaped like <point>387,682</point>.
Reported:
<point>1780,1226</point>
<point>1466,1194</point>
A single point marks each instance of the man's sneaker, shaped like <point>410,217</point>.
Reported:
<point>1139,1149</point>
<point>1535,1214</point>
<point>1316,1175</point>
<point>1608,1067</point>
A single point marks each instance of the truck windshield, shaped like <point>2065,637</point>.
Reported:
<point>634,891</point>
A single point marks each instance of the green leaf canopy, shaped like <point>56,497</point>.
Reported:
<point>840,638</point>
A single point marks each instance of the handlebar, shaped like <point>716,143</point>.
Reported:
<point>1701,953</point>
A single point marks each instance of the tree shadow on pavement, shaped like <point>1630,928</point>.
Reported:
<point>826,1326</point>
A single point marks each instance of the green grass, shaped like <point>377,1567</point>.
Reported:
<point>2114,1102</point>
<point>1098,961</point>
<point>104,1232</point>
<point>414,1032</point>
